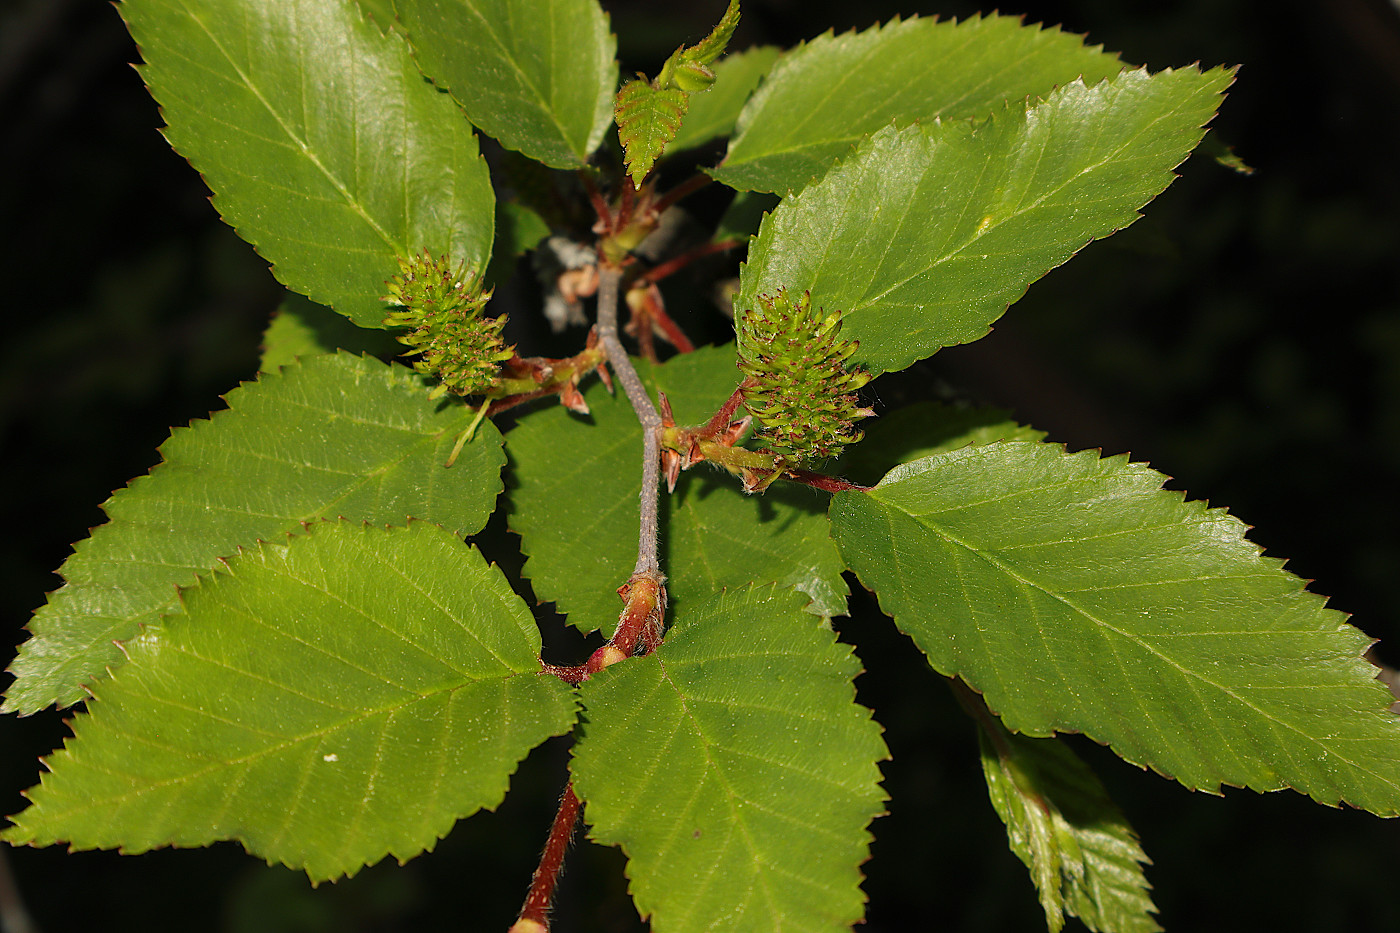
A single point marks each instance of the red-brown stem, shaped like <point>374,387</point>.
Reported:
<point>690,185</point>
<point>676,264</point>
<point>626,202</point>
<point>655,309</point>
<point>720,420</point>
<point>600,206</point>
<point>510,401</point>
<point>571,674</point>
<point>640,622</point>
<point>646,339</point>
<point>823,482</point>
<point>534,915</point>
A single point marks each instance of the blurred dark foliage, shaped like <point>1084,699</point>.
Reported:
<point>1242,337</point>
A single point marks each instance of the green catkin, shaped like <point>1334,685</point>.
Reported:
<point>441,310</point>
<point>797,385</point>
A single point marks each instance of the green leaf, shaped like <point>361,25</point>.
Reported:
<point>926,234</point>
<point>1083,856</point>
<point>295,111</point>
<point>518,230</point>
<point>300,328</point>
<point>1078,596</point>
<point>575,506</point>
<point>538,75</point>
<point>712,46</point>
<point>713,113</point>
<point>379,12</point>
<point>648,114</point>
<point>741,219</point>
<point>344,696</point>
<point>334,436</point>
<point>647,119</point>
<point>922,430</point>
<point>735,770</point>
<point>826,95</point>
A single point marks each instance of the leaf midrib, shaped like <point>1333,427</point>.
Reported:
<point>306,150</point>
<point>1189,673</point>
<point>193,776</point>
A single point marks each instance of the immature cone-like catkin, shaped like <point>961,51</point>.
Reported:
<point>442,311</point>
<point>797,384</point>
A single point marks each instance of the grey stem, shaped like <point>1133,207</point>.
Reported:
<point>609,282</point>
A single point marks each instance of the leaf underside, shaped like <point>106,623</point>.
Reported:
<point>323,145</point>
<point>1078,596</point>
<point>576,482</point>
<point>537,75</point>
<point>1083,856</point>
<point>826,95</point>
<point>926,234</point>
<point>334,436</point>
<point>344,696</point>
<point>735,770</point>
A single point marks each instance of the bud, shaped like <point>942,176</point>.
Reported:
<point>693,77</point>
<point>797,385</point>
<point>442,311</point>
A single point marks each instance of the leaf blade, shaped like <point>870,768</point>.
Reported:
<point>926,235</point>
<point>827,94</point>
<point>294,704</point>
<point>1083,856</point>
<point>1078,596</point>
<point>749,703</point>
<point>292,109</point>
<point>647,119</point>
<point>537,75</point>
<point>334,435</point>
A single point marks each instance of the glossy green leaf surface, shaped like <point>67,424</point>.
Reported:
<point>926,234</point>
<point>538,75</point>
<point>1078,596</point>
<point>1083,856</point>
<point>735,770</point>
<point>827,94</point>
<point>301,328</point>
<point>323,145</point>
<point>574,503</point>
<point>518,229</point>
<point>347,695</point>
<point>334,436</point>
<point>714,112</point>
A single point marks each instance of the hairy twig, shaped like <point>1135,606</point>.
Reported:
<point>609,283</point>
<point>534,915</point>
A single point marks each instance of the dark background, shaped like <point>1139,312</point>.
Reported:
<point>1242,338</point>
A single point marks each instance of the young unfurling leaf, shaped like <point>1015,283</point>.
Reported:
<point>649,113</point>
